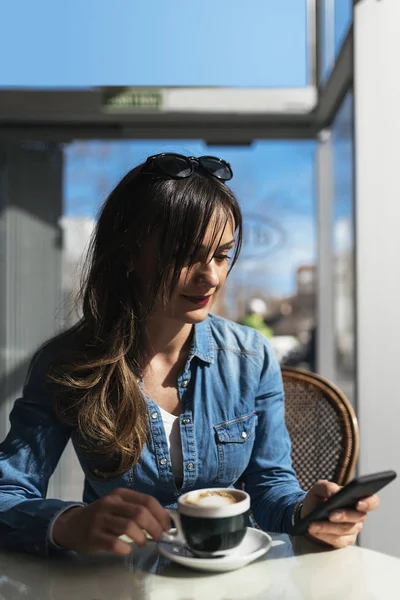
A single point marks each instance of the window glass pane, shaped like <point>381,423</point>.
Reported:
<point>343,239</point>
<point>335,19</point>
<point>163,42</point>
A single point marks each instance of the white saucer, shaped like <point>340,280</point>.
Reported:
<point>254,544</point>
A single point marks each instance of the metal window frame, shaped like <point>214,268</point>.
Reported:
<point>313,41</point>
<point>297,113</point>
<point>325,260</point>
<point>64,115</point>
<point>331,95</point>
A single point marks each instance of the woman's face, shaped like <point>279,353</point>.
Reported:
<point>199,286</point>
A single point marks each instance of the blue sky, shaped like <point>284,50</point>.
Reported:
<point>153,42</point>
<point>83,43</point>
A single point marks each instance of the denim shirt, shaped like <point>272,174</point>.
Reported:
<point>232,428</point>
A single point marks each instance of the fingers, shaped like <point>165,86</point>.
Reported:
<point>325,528</point>
<point>134,499</point>
<point>344,525</point>
<point>100,525</point>
<point>337,535</point>
<point>139,521</point>
<point>129,530</point>
<point>347,516</point>
<point>132,515</point>
<point>368,504</point>
<point>110,543</point>
<point>324,489</point>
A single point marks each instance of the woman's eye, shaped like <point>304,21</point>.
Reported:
<point>221,257</point>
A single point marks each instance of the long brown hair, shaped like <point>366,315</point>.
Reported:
<point>97,383</point>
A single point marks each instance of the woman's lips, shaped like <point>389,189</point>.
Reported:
<point>198,300</point>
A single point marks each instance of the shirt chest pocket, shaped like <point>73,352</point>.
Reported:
<point>235,440</point>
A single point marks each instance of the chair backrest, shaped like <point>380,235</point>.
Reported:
<point>322,426</point>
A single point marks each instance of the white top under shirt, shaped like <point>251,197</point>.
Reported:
<point>173,433</point>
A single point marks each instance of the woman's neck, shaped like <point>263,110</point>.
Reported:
<point>167,339</point>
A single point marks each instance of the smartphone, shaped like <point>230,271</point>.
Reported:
<point>357,489</point>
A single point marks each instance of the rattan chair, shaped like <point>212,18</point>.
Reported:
<point>322,426</point>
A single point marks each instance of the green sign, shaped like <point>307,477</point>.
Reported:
<point>127,100</point>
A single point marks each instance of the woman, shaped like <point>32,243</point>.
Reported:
<point>158,395</point>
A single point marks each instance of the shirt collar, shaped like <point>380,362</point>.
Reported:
<point>202,345</point>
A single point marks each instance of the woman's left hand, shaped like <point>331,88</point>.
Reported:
<point>344,525</point>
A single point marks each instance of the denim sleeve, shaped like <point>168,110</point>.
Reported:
<point>28,457</point>
<point>269,478</point>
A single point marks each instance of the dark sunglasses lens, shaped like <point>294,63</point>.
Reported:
<point>218,168</point>
<point>176,166</point>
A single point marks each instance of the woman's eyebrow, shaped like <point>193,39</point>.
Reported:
<point>226,245</point>
<point>221,247</point>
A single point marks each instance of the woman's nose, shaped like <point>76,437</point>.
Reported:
<point>207,272</point>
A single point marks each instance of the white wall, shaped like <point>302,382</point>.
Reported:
<point>377,121</point>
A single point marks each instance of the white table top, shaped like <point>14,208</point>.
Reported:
<point>292,570</point>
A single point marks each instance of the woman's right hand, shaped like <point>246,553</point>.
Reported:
<point>97,526</point>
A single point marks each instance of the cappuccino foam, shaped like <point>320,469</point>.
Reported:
<point>211,499</point>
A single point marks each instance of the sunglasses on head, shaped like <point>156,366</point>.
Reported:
<point>178,166</point>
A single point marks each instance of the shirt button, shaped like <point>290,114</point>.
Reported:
<point>185,383</point>
<point>244,435</point>
<point>154,415</point>
<point>163,461</point>
<point>185,421</point>
<point>190,466</point>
